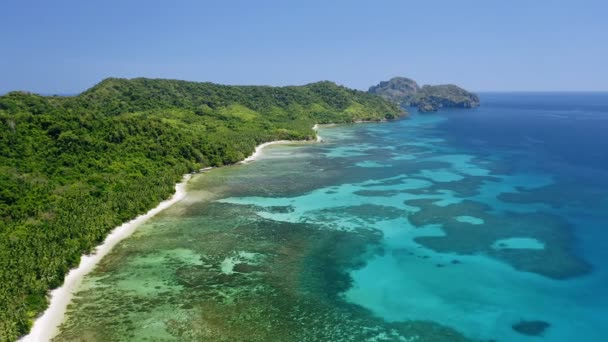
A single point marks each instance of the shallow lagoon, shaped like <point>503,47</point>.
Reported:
<point>428,229</point>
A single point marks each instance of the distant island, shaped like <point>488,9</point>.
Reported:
<point>405,92</point>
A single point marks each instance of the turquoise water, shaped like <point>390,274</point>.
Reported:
<point>484,224</point>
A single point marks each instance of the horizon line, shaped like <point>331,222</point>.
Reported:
<point>67,94</point>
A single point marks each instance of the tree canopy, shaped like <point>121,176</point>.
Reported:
<point>73,168</point>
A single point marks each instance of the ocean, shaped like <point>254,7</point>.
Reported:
<point>485,224</point>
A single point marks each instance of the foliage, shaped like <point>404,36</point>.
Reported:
<point>406,92</point>
<point>73,168</point>
<point>399,90</point>
<point>431,98</point>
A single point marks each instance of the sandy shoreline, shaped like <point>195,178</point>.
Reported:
<point>46,326</point>
<point>258,149</point>
<point>316,129</point>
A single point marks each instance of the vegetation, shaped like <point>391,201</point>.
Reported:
<point>399,90</point>
<point>406,92</point>
<point>431,98</point>
<point>73,168</point>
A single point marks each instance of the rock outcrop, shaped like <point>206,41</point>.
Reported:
<point>432,98</point>
<point>399,90</point>
<point>406,92</point>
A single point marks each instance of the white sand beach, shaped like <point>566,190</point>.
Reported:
<point>46,326</point>
<point>258,149</point>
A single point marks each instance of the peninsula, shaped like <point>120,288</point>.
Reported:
<point>73,168</point>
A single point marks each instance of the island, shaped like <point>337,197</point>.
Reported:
<point>72,168</point>
<point>405,92</point>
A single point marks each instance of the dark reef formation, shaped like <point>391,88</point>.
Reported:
<point>406,92</point>
<point>531,328</point>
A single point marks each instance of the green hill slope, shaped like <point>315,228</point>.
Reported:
<point>73,168</point>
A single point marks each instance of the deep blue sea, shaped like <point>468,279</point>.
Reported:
<point>487,224</point>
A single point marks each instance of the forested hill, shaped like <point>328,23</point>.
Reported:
<point>429,98</point>
<point>73,168</point>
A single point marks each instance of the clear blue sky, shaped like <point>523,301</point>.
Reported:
<point>67,46</point>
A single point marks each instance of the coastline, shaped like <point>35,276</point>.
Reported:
<point>316,129</point>
<point>46,326</point>
<point>258,149</point>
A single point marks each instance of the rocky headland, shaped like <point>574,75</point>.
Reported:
<point>428,98</point>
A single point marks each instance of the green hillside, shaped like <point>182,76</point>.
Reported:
<point>73,168</point>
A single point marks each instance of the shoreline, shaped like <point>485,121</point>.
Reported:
<point>46,325</point>
<point>316,129</point>
<point>258,149</point>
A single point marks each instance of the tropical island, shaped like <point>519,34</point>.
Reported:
<point>428,98</point>
<point>73,168</point>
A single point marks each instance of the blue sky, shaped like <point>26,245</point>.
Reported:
<point>59,47</point>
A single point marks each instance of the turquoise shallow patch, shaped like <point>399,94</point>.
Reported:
<point>369,163</point>
<point>470,219</point>
<point>462,163</point>
<point>354,150</point>
<point>404,157</point>
<point>518,243</point>
<point>441,175</point>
